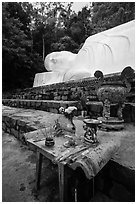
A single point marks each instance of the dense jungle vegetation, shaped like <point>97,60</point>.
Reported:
<point>30,31</point>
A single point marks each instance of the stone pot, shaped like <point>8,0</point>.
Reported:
<point>113,92</point>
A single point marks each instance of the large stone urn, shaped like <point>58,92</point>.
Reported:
<point>113,92</point>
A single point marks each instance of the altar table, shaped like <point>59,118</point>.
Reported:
<point>91,158</point>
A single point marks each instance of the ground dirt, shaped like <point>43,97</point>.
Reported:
<point>18,174</point>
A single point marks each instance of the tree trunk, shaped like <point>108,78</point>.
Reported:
<point>43,42</point>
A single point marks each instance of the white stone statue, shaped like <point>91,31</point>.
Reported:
<point>109,51</point>
<point>60,66</point>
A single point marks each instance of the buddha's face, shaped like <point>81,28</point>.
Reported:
<point>59,61</point>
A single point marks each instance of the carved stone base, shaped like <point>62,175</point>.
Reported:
<point>112,123</point>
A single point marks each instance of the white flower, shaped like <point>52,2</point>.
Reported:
<point>70,109</point>
<point>61,109</point>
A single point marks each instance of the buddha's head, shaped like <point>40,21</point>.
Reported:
<point>59,61</point>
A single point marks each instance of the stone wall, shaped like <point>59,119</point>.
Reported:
<point>15,127</point>
<point>67,91</point>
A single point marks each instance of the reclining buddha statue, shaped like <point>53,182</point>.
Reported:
<point>109,51</point>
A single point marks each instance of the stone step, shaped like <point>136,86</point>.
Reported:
<point>94,108</point>
<point>45,105</point>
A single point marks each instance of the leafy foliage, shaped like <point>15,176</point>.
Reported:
<point>19,61</point>
<point>65,43</point>
<point>107,15</point>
